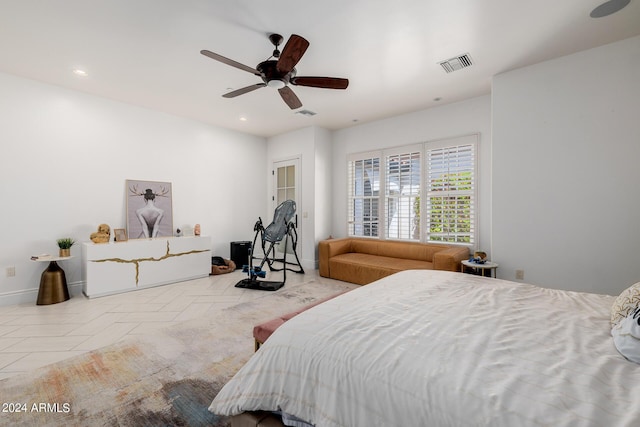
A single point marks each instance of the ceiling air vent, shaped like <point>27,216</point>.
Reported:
<point>306,113</point>
<point>456,63</point>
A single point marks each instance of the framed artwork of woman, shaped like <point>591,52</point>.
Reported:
<point>149,209</point>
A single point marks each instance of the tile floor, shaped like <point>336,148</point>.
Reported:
<point>32,336</point>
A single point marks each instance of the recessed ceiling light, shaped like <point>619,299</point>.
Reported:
<point>79,72</point>
<point>608,8</point>
<point>243,119</point>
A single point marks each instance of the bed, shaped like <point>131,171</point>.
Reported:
<point>439,348</point>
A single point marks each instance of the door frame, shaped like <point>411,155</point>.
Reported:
<point>295,160</point>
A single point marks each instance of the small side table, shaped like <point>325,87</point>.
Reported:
<point>53,283</point>
<point>480,269</point>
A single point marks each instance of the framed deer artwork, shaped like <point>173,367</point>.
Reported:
<point>149,209</point>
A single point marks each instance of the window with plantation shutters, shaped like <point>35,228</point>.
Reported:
<point>402,195</point>
<point>364,191</point>
<point>450,192</point>
<point>424,192</point>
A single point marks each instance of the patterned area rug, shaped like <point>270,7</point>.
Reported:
<point>166,379</point>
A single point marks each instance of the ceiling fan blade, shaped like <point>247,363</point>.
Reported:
<point>244,90</point>
<point>322,82</point>
<point>294,49</point>
<point>290,98</point>
<point>231,62</point>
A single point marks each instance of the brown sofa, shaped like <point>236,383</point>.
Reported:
<point>363,261</point>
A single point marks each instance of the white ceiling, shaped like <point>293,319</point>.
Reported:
<point>146,52</point>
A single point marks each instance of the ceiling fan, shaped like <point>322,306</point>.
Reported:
<point>280,72</point>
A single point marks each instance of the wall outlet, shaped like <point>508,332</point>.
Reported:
<point>519,274</point>
<point>11,271</point>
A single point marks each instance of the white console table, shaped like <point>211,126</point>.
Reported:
<point>114,267</point>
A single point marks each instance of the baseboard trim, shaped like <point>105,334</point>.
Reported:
<point>28,296</point>
<point>308,264</point>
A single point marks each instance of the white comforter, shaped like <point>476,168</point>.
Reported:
<point>431,348</point>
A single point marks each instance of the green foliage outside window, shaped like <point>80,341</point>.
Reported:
<point>450,215</point>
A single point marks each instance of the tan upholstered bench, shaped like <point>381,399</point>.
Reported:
<point>264,330</point>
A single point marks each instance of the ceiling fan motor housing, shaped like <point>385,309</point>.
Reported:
<point>271,76</point>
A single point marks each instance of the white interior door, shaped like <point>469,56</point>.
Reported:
<point>286,185</point>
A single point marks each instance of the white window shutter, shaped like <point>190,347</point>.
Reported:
<point>451,193</point>
<point>364,189</point>
<point>402,195</point>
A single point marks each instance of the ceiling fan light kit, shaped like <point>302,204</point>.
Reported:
<point>277,84</point>
<point>280,73</point>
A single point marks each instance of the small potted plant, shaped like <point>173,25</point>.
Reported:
<point>65,246</point>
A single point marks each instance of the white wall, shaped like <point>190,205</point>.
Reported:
<point>323,180</point>
<point>566,149</point>
<point>66,156</point>
<point>456,119</point>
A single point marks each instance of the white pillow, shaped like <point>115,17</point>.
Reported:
<point>626,336</point>
<point>626,302</point>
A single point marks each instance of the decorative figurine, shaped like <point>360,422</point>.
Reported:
<point>479,257</point>
<point>196,230</point>
<point>102,235</point>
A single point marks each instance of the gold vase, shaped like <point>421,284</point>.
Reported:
<point>65,253</point>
